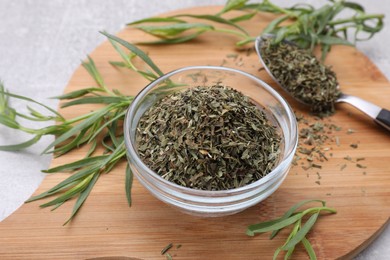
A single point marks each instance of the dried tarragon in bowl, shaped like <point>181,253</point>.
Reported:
<point>208,138</point>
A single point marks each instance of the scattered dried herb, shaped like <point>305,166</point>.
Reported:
<point>360,166</point>
<point>316,166</point>
<point>348,158</point>
<point>232,56</point>
<point>166,248</point>
<point>300,228</point>
<point>208,138</point>
<point>337,141</point>
<point>319,177</point>
<point>354,146</point>
<point>315,139</point>
<point>302,75</point>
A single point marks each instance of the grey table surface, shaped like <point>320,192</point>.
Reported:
<point>41,45</point>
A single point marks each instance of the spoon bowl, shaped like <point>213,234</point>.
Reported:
<point>378,114</point>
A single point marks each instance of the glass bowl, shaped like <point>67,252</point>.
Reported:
<point>213,203</point>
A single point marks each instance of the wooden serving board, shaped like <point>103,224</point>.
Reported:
<point>106,226</point>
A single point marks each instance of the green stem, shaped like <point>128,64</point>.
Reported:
<point>29,130</point>
<point>357,19</point>
<point>280,9</point>
<point>231,32</point>
<point>317,209</point>
<point>76,119</point>
<point>247,40</point>
<point>79,118</point>
<point>108,91</point>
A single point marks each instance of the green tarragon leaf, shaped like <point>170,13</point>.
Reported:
<point>141,54</point>
<point>83,196</point>
<point>217,19</point>
<point>233,5</point>
<point>95,100</point>
<point>170,30</point>
<point>157,20</point>
<point>78,93</point>
<point>21,146</point>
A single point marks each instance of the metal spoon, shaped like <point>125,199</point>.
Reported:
<point>378,114</point>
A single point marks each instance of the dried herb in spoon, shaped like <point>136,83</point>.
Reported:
<point>302,75</point>
<point>208,138</point>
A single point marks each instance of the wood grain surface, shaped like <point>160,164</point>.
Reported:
<point>106,226</point>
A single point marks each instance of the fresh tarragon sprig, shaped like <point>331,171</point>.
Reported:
<point>303,24</point>
<point>101,127</point>
<point>300,227</point>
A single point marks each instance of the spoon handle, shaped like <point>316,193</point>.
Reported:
<point>378,114</point>
<point>383,118</point>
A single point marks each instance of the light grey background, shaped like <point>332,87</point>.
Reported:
<point>42,43</point>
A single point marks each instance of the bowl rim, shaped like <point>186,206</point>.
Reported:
<point>131,150</point>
